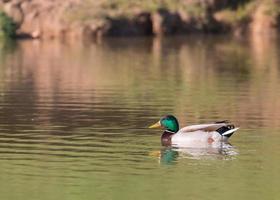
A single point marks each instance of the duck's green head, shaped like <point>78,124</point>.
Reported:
<point>169,122</point>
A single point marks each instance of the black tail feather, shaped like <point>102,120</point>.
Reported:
<point>224,129</point>
<point>223,121</point>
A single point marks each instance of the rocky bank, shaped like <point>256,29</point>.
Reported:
<point>94,19</point>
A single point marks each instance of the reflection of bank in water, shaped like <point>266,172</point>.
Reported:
<point>170,155</point>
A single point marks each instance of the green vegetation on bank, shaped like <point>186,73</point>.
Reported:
<point>235,11</point>
<point>7,26</point>
<point>241,15</point>
<point>98,9</point>
<point>272,9</point>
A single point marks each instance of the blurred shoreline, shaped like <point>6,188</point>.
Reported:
<point>76,19</point>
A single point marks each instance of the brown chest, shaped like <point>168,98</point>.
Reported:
<point>166,138</point>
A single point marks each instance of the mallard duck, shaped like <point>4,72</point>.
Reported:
<point>201,135</point>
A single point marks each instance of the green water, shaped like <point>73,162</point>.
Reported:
<point>74,117</point>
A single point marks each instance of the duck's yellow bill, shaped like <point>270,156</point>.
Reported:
<point>156,125</point>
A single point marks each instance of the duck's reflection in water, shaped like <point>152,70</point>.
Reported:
<point>171,154</point>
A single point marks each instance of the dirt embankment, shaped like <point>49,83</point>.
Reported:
<point>94,19</point>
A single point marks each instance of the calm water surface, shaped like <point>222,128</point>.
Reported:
<point>73,118</point>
